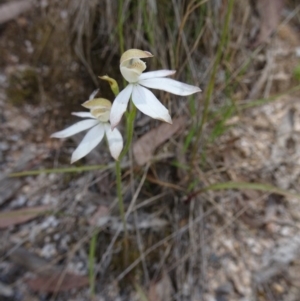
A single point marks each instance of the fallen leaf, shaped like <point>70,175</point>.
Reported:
<point>33,262</point>
<point>100,217</point>
<point>161,290</point>
<point>8,188</point>
<point>49,278</point>
<point>15,217</point>
<point>58,282</point>
<point>144,147</point>
<point>269,11</point>
<point>11,10</point>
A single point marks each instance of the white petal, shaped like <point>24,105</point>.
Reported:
<point>94,94</point>
<point>92,138</point>
<point>119,106</point>
<point>170,85</point>
<point>156,74</point>
<point>147,103</point>
<point>83,114</point>
<point>115,141</point>
<point>75,128</point>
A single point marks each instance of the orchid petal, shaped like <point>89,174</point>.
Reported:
<point>92,138</point>
<point>115,141</point>
<point>156,74</point>
<point>75,128</point>
<point>119,106</point>
<point>170,85</point>
<point>134,54</point>
<point>97,103</point>
<point>83,114</point>
<point>94,93</point>
<point>147,103</point>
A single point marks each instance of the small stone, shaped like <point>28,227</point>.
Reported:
<point>4,146</point>
<point>5,290</point>
<point>48,251</point>
<point>278,288</point>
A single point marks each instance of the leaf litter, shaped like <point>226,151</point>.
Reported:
<point>15,217</point>
<point>144,147</point>
<point>48,277</point>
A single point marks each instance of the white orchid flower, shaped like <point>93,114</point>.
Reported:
<point>98,124</point>
<point>132,67</point>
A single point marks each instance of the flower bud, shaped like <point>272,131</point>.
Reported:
<point>112,82</point>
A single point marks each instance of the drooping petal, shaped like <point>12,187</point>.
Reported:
<point>75,128</point>
<point>92,138</point>
<point>119,106</point>
<point>156,74</point>
<point>170,85</point>
<point>147,103</point>
<point>83,114</point>
<point>115,141</point>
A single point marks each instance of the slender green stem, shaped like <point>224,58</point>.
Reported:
<point>129,135</point>
<point>120,196</point>
<point>254,186</point>
<point>210,88</point>
<point>59,170</point>
<point>92,262</point>
<point>129,130</point>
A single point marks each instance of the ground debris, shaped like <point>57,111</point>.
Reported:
<point>6,290</point>
<point>11,10</point>
<point>15,217</point>
<point>9,188</point>
<point>49,278</point>
<point>114,224</point>
<point>143,148</point>
<point>270,12</point>
<point>161,290</point>
<point>277,260</point>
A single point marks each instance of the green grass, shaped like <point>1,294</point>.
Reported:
<point>250,186</point>
<point>26,173</point>
<point>211,83</point>
<point>92,260</point>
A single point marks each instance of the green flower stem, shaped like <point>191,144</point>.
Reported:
<point>129,130</point>
<point>92,255</point>
<point>120,196</point>
<point>129,135</point>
